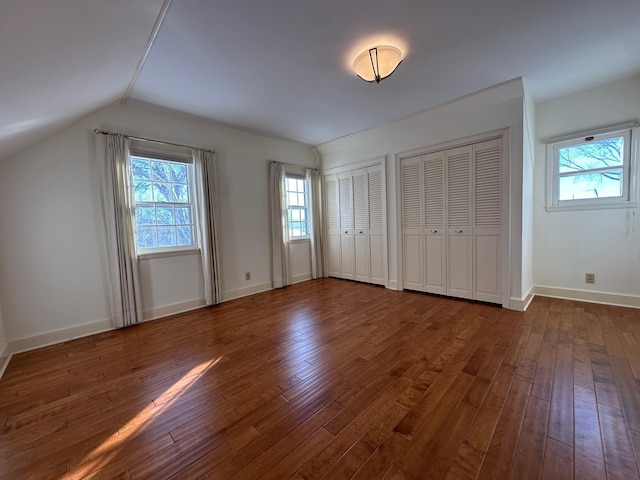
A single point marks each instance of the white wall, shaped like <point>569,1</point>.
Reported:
<point>497,108</point>
<point>570,244</point>
<point>52,275</point>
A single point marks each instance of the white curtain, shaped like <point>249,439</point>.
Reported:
<point>280,274</point>
<point>204,163</point>
<point>118,204</point>
<point>317,236</point>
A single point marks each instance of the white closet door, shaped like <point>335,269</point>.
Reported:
<point>376,224</point>
<point>435,248</point>
<point>459,229</point>
<point>333,225</point>
<point>487,226</point>
<point>346,224</point>
<point>360,225</point>
<point>412,223</point>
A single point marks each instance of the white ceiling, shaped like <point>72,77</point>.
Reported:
<point>281,67</point>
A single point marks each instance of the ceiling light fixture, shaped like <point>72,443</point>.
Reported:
<point>377,63</point>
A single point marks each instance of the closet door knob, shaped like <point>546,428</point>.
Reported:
<point>458,231</point>
<point>434,231</point>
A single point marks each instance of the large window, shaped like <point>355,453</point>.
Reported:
<point>590,171</point>
<point>297,206</point>
<point>164,204</point>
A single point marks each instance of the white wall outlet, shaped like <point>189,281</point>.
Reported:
<point>590,277</point>
<point>247,276</point>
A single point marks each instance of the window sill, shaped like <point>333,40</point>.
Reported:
<point>300,240</point>
<point>168,253</point>
<point>590,206</point>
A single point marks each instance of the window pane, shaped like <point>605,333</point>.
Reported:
<point>179,172</point>
<point>590,186</point>
<point>599,154</point>
<point>164,215</point>
<point>181,192</point>
<point>303,214</point>
<point>147,237</point>
<point>162,192</point>
<point>185,235</point>
<point>294,214</point>
<point>145,216</point>
<point>142,191</point>
<point>290,183</point>
<point>183,216</point>
<point>166,236</point>
<point>301,199</point>
<point>300,185</point>
<point>140,169</point>
<point>160,171</point>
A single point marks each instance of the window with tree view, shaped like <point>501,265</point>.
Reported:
<point>592,170</point>
<point>296,192</point>
<point>164,203</point>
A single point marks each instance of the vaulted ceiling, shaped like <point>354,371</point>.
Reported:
<point>282,67</point>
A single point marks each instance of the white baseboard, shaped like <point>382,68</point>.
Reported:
<point>173,309</point>
<point>393,285</point>
<point>58,336</point>
<point>300,278</point>
<point>632,301</point>
<point>521,304</point>
<point>244,292</point>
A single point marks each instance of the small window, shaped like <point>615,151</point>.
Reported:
<point>164,204</point>
<point>297,207</point>
<point>590,171</point>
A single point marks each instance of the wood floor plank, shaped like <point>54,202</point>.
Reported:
<point>558,461</point>
<point>589,459</point>
<point>334,379</point>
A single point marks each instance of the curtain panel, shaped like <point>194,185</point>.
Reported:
<point>206,176</point>
<point>314,180</point>
<point>118,208</point>
<point>279,226</point>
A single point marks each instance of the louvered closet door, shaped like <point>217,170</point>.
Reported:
<point>360,225</point>
<point>435,248</point>
<point>487,226</point>
<point>333,225</point>
<point>412,223</point>
<point>459,230</point>
<point>376,224</point>
<point>345,195</point>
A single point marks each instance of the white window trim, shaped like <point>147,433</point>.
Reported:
<point>160,252</point>
<point>300,174</point>
<point>630,171</point>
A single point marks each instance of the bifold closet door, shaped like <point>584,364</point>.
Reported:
<point>412,223</point>
<point>487,257</point>
<point>345,196</point>
<point>376,204</point>
<point>459,234</point>
<point>435,245</point>
<point>360,225</point>
<point>333,225</point>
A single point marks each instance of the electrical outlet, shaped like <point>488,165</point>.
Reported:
<point>590,277</point>
<point>247,276</point>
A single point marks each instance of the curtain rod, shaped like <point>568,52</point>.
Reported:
<point>131,137</point>
<point>293,165</point>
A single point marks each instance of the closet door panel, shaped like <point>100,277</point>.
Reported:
<point>434,222</point>
<point>361,225</point>
<point>487,226</point>
<point>412,223</point>
<point>332,217</point>
<point>376,206</point>
<point>345,197</point>
<point>459,231</point>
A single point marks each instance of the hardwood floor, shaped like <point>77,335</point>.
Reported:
<point>334,379</point>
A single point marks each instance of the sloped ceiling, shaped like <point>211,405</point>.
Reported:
<point>282,67</point>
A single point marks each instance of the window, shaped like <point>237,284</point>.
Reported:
<point>296,193</point>
<point>590,171</point>
<point>164,203</point>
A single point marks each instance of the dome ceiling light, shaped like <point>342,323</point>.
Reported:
<point>377,63</point>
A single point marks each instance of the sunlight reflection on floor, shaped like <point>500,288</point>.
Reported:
<point>103,454</point>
